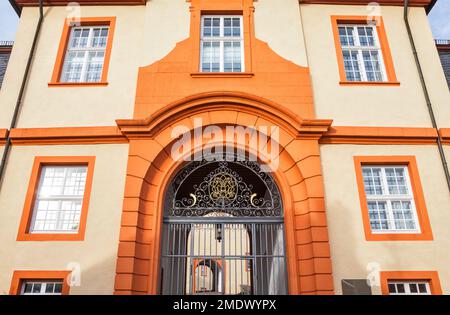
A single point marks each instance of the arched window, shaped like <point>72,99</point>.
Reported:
<point>223,230</point>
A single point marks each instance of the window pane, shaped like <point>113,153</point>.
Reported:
<point>36,288</point>
<point>211,57</point>
<point>346,36</point>
<point>400,288</point>
<point>392,288</point>
<point>396,180</point>
<point>73,67</point>
<point>403,216</point>
<point>49,287</point>
<point>95,66</point>
<point>351,65</point>
<point>59,199</point>
<point>378,215</point>
<point>232,56</point>
<point>423,288</point>
<point>372,181</point>
<point>100,37</point>
<point>372,64</point>
<point>28,287</point>
<point>413,288</point>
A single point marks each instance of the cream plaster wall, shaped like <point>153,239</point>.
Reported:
<point>45,106</point>
<point>278,23</point>
<point>402,105</point>
<point>350,252</point>
<point>166,24</point>
<point>97,254</point>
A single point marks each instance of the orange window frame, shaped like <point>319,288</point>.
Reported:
<point>62,49</point>
<point>39,162</point>
<point>419,200</point>
<point>431,276</point>
<point>385,50</point>
<point>199,8</point>
<point>19,276</point>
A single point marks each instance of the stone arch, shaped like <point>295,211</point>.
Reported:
<point>150,168</point>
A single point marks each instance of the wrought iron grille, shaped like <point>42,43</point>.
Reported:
<point>223,231</point>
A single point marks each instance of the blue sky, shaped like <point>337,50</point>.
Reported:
<point>439,19</point>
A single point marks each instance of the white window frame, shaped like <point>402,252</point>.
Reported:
<point>59,198</point>
<point>406,284</point>
<point>221,39</point>
<point>359,49</point>
<point>86,51</point>
<point>44,284</point>
<point>389,198</point>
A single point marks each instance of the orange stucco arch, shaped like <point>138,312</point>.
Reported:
<point>150,168</point>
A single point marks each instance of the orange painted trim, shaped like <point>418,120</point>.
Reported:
<point>21,275</point>
<point>3,135</point>
<point>384,43</point>
<point>222,75</point>
<point>422,214</point>
<point>39,161</point>
<point>65,36</point>
<point>170,114</point>
<point>368,83</point>
<point>67,135</point>
<point>445,135</point>
<point>67,84</point>
<point>431,276</point>
<point>379,135</point>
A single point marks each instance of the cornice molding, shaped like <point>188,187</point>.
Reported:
<point>412,3</point>
<point>66,135</point>
<point>32,3</point>
<point>379,135</point>
<point>309,128</point>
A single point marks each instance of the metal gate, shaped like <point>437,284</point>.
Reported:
<point>223,231</point>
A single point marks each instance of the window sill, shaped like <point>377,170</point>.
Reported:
<point>72,84</point>
<point>50,237</point>
<point>388,83</point>
<point>222,74</point>
<point>399,237</point>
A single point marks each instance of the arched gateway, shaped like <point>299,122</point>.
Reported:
<point>223,230</point>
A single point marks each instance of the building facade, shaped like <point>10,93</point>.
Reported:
<point>224,147</point>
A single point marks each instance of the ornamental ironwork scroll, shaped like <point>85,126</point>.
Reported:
<point>223,189</point>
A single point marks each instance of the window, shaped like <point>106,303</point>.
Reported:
<point>57,199</point>
<point>40,282</point>
<point>389,199</point>
<point>410,283</point>
<point>221,47</point>
<point>409,288</point>
<point>392,202</point>
<point>31,287</point>
<point>84,52</point>
<point>362,50</point>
